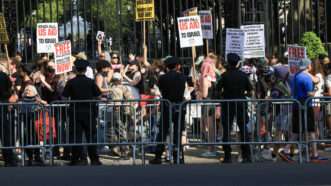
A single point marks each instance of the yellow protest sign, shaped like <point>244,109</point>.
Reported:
<point>4,39</point>
<point>191,12</point>
<point>145,10</point>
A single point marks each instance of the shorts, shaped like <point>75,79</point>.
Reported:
<point>296,120</point>
<point>208,110</point>
<point>328,109</point>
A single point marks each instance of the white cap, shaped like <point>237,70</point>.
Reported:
<point>117,76</point>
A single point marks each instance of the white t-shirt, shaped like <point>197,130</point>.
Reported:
<point>89,73</point>
<point>320,86</point>
<point>328,81</point>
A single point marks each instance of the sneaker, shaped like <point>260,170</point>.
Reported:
<point>227,160</point>
<point>286,157</point>
<point>318,159</point>
<point>116,151</point>
<point>155,161</point>
<point>209,154</point>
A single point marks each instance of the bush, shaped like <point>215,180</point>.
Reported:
<point>313,45</point>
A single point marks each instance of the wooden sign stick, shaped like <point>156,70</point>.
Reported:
<point>144,44</point>
<point>7,56</point>
<point>193,66</point>
<point>207,47</point>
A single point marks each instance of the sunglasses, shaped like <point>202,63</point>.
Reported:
<point>115,57</point>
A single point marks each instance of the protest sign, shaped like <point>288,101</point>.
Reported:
<point>4,39</point>
<point>190,33</point>
<point>47,36</point>
<point>206,24</point>
<point>295,55</point>
<point>254,42</point>
<point>62,54</point>
<point>190,12</point>
<point>100,36</point>
<point>145,10</point>
<point>234,42</point>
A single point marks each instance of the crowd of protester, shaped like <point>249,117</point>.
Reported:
<point>137,78</point>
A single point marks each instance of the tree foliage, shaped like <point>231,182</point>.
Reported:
<point>313,45</point>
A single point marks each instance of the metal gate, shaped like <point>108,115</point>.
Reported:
<point>79,20</point>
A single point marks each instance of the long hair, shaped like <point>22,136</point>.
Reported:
<point>317,68</point>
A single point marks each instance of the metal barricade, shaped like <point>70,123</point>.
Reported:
<point>259,124</point>
<point>317,125</point>
<point>120,127</point>
<point>22,132</point>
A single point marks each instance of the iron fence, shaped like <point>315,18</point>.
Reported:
<point>285,22</point>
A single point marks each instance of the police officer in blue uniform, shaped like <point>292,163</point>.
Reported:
<point>82,114</point>
<point>172,87</point>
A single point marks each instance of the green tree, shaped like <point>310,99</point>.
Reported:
<point>313,45</point>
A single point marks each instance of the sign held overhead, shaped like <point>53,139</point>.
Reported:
<point>47,36</point>
<point>206,24</point>
<point>145,10</point>
<point>254,42</point>
<point>190,33</point>
<point>62,54</point>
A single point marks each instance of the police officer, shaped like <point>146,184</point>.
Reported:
<point>235,85</point>
<point>82,115</point>
<point>172,87</point>
<point>6,128</point>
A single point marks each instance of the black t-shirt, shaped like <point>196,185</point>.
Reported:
<point>5,87</point>
<point>234,84</point>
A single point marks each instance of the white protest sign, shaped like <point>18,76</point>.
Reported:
<point>234,42</point>
<point>206,24</point>
<point>190,33</point>
<point>100,36</point>
<point>62,54</point>
<point>254,43</point>
<point>47,36</point>
<point>295,55</point>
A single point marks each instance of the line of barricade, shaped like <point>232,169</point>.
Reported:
<point>261,124</point>
<point>317,125</point>
<point>131,127</point>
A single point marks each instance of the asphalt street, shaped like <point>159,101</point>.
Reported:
<point>184,175</point>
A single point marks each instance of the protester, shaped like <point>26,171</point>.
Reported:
<point>29,112</point>
<point>302,89</point>
<point>115,62</point>
<point>119,125</point>
<point>103,78</point>
<point>207,87</point>
<point>133,75</point>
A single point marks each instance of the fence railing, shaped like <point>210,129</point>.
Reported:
<point>317,116</point>
<point>253,124</point>
<point>128,127</point>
